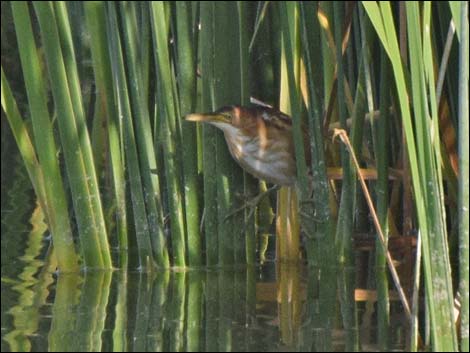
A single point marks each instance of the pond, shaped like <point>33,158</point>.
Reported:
<point>269,307</point>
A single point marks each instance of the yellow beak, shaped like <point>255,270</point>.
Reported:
<point>208,118</point>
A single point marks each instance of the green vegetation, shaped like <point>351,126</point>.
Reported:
<point>98,123</point>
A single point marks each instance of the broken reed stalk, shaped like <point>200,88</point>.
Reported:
<point>396,280</point>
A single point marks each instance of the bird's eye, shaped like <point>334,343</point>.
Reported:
<point>228,116</point>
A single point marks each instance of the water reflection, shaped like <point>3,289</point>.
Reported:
<point>289,308</point>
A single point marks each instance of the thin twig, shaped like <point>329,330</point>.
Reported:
<point>396,280</point>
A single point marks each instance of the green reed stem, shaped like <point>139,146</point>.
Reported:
<point>287,218</point>
<point>345,217</point>
<point>321,248</point>
<point>73,152</point>
<point>209,133</point>
<point>186,68</point>
<point>226,82</point>
<point>382,205</point>
<point>245,245</point>
<point>424,177</point>
<point>168,103</point>
<point>25,145</point>
<point>143,133</point>
<point>63,26</point>
<point>435,241</point>
<point>121,94</point>
<point>58,215</point>
<point>95,16</point>
<point>291,40</point>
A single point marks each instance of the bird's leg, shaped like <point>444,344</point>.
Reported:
<point>310,219</point>
<point>308,216</point>
<point>251,204</point>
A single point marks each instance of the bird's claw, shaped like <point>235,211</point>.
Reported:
<point>252,203</point>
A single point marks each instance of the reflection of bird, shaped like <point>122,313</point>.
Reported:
<point>259,139</point>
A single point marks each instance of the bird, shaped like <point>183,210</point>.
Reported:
<point>259,139</point>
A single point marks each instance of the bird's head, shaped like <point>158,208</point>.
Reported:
<point>224,118</point>
<point>251,121</point>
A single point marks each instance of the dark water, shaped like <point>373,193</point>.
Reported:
<point>264,308</point>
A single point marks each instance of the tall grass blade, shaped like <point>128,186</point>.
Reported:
<point>345,216</point>
<point>209,133</point>
<point>287,230</point>
<point>245,248</point>
<point>95,16</point>
<point>444,334</point>
<point>90,224</point>
<point>423,170</point>
<point>321,247</point>
<point>143,132</point>
<point>58,215</point>
<point>186,69</point>
<point>70,64</point>
<point>171,125</point>
<point>382,194</point>
<point>227,82</point>
<point>25,144</point>
<point>142,233</point>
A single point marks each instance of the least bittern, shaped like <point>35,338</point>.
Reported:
<point>259,139</point>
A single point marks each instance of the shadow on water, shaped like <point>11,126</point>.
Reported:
<point>273,307</point>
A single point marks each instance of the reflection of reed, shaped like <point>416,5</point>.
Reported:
<point>226,310</point>
<point>120,310</point>
<point>91,311</point>
<point>223,310</point>
<point>346,282</point>
<point>33,288</point>
<point>194,312</point>
<point>64,313</point>
<point>139,315</point>
<point>157,309</point>
<point>211,292</point>
<point>289,300</point>
<point>79,311</point>
<point>176,311</point>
